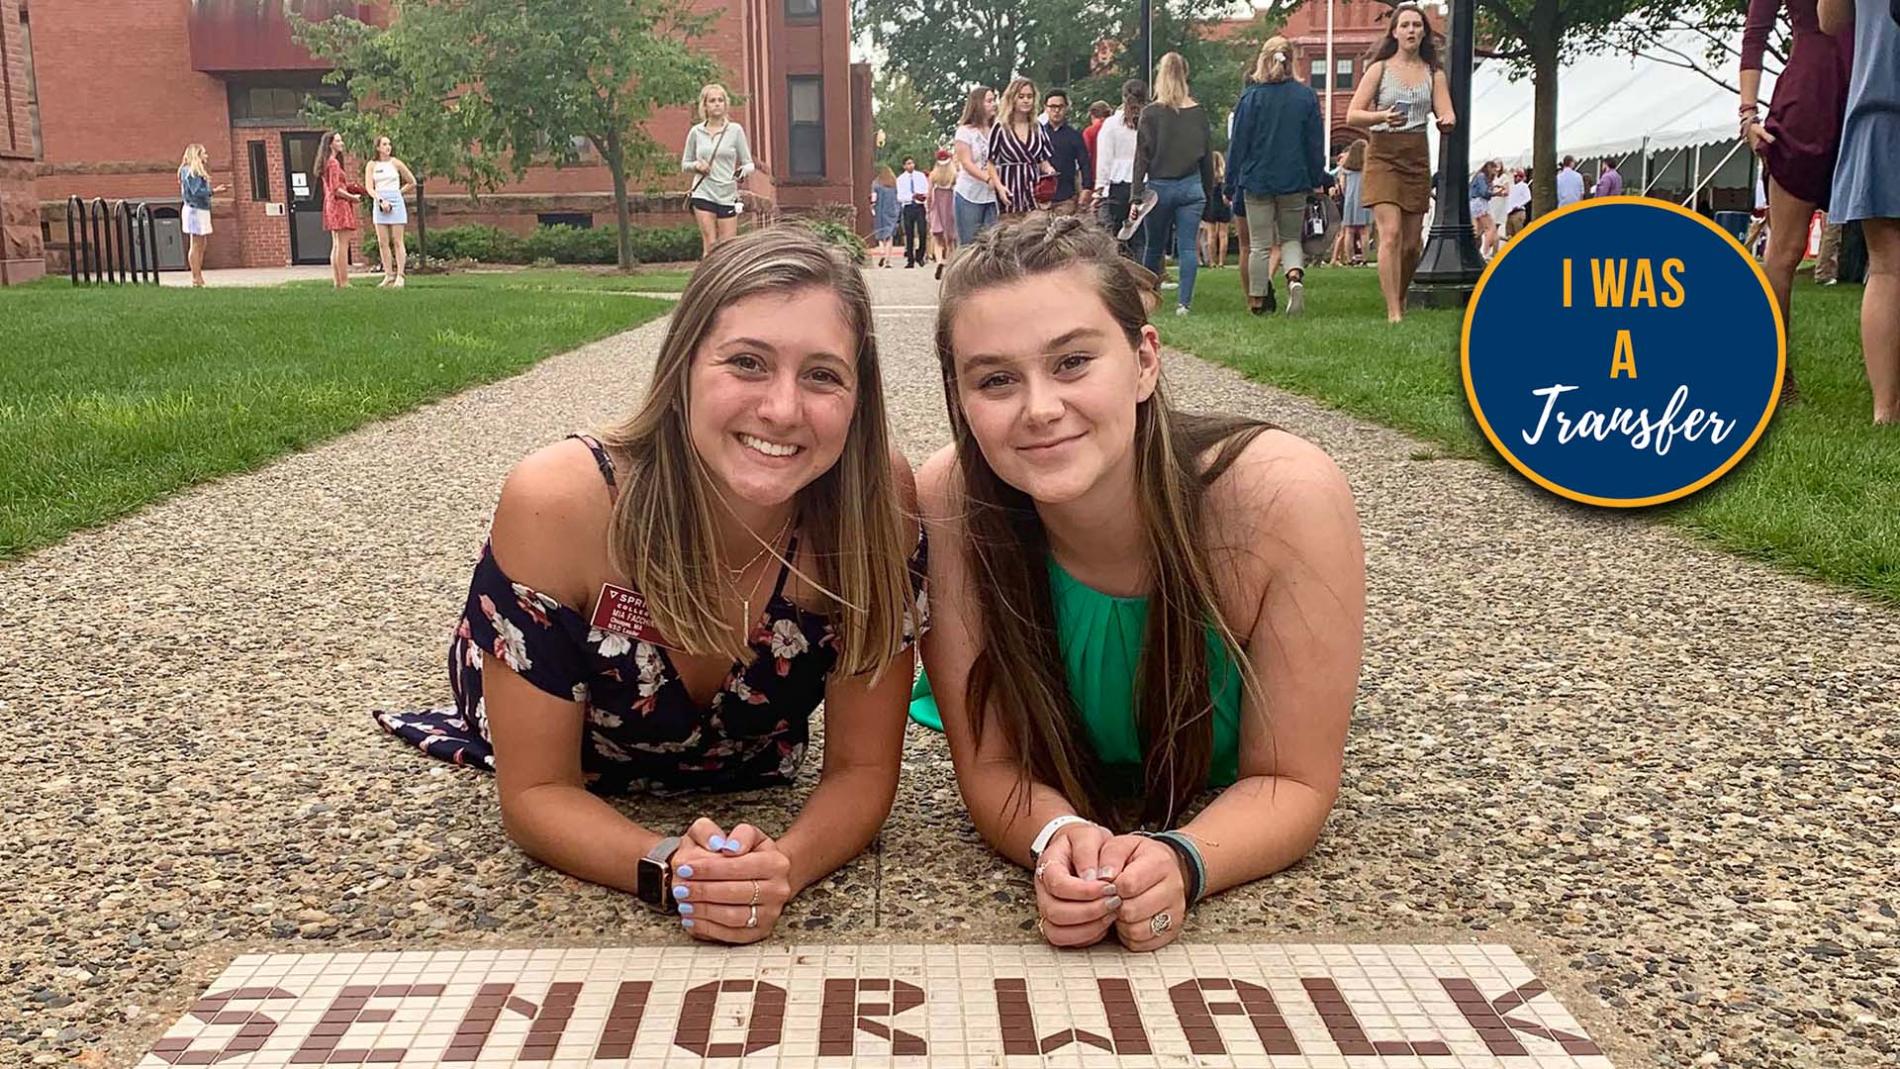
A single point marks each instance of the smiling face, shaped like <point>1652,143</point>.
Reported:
<point>1048,384</point>
<point>771,393</point>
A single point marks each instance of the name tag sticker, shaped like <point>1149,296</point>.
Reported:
<point>624,612</point>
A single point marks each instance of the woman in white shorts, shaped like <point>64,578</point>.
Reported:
<point>195,189</point>
<point>390,182</point>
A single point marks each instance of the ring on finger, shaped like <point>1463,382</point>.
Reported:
<point>752,918</point>
<point>1161,922</point>
<point>755,895</point>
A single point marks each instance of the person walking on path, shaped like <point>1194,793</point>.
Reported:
<point>1108,642</point>
<point>390,183</point>
<point>1069,155</point>
<point>1115,155</point>
<point>1277,157</point>
<point>196,190</point>
<point>720,157</point>
<point>1799,142</point>
<point>913,200</point>
<point>1174,155</point>
<point>1401,90</point>
<point>943,209</point>
<point>977,188</point>
<point>1864,188</point>
<point>1354,216</point>
<point>1019,149</point>
<point>1216,218</point>
<point>664,607</point>
<point>884,214</point>
<point>1098,115</point>
<point>340,198</point>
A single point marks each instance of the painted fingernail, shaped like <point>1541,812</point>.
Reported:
<point>1109,890</point>
<point>1088,874</point>
<point>686,908</point>
<point>686,872</point>
<point>1108,872</point>
<point>731,846</point>
<point>686,922</point>
<point>682,892</point>
<point>718,842</point>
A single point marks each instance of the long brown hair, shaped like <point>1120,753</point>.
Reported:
<point>1427,43</point>
<point>973,107</point>
<point>1018,674</point>
<point>1134,98</point>
<point>665,524</point>
<point>326,150</point>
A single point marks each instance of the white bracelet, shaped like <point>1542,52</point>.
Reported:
<point>1049,830</point>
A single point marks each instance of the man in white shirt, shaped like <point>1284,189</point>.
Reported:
<point>913,194</point>
<point>1518,207</point>
<point>1569,183</point>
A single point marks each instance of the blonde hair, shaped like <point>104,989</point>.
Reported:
<point>885,176</point>
<point>1171,81</point>
<point>1275,63</point>
<point>1220,167</point>
<point>1006,106</point>
<point>943,174</point>
<point>706,91</point>
<point>194,160</point>
<point>664,532</point>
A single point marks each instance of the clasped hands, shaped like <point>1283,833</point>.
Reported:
<point>729,888</point>
<point>1090,880</point>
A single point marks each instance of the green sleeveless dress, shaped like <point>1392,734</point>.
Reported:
<point>1100,636</point>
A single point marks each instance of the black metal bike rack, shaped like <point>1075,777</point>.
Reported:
<point>110,242</point>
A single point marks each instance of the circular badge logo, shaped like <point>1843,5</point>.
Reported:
<point>1623,352</point>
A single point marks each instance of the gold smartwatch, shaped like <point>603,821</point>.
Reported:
<point>654,880</point>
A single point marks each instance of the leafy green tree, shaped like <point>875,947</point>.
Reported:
<point>482,89</point>
<point>906,124</point>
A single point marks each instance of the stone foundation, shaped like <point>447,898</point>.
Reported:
<point>21,256</point>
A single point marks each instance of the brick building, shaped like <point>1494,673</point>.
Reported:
<point>21,257</point>
<point>1358,27</point>
<point>113,90</point>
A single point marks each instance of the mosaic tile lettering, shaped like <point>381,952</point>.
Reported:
<point>1266,1006</point>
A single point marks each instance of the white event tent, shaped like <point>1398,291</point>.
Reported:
<point>1623,107</point>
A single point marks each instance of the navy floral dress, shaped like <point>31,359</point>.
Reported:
<point>644,732</point>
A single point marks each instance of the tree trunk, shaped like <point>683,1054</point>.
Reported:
<point>617,166</point>
<point>1546,26</point>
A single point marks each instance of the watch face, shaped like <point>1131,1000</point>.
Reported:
<point>651,882</point>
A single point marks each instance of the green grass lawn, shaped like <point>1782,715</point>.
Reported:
<point>540,280</point>
<point>115,396</point>
<point>1818,495</point>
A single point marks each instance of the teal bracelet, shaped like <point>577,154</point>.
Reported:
<point>1191,853</point>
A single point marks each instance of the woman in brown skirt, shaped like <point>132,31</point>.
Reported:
<point>1401,90</point>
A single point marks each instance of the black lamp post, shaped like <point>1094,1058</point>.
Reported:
<point>1148,45</point>
<point>1449,269</point>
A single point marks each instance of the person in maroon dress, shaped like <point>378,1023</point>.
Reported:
<point>1800,138</point>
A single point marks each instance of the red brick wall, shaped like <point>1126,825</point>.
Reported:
<point>122,136</point>
<point>21,257</point>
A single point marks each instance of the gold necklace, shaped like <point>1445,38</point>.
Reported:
<point>735,574</point>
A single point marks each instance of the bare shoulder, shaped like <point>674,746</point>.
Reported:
<point>553,501</point>
<point>939,487</point>
<point>1282,488</point>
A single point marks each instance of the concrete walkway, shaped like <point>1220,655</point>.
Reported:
<point>256,276</point>
<point>1664,775</point>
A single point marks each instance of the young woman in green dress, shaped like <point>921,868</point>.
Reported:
<point>1145,604</point>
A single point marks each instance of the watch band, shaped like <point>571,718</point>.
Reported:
<point>1049,830</point>
<point>654,882</point>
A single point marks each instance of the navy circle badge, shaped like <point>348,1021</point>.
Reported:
<point>1623,352</point>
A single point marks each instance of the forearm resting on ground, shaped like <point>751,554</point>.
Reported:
<point>1257,827</point>
<point>842,815</point>
<point>573,830</point>
<point>994,793</point>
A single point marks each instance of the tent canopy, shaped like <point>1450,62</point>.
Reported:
<point>1606,105</point>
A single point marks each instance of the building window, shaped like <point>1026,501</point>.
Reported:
<point>807,95</point>
<point>1316,76</point>
<point>277,103</point>
<point>260,170</point>
<point>1342,74</point>
<point>801,9</point>
<point>577,220</point>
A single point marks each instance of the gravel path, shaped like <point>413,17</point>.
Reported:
<point>1665,775</point>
